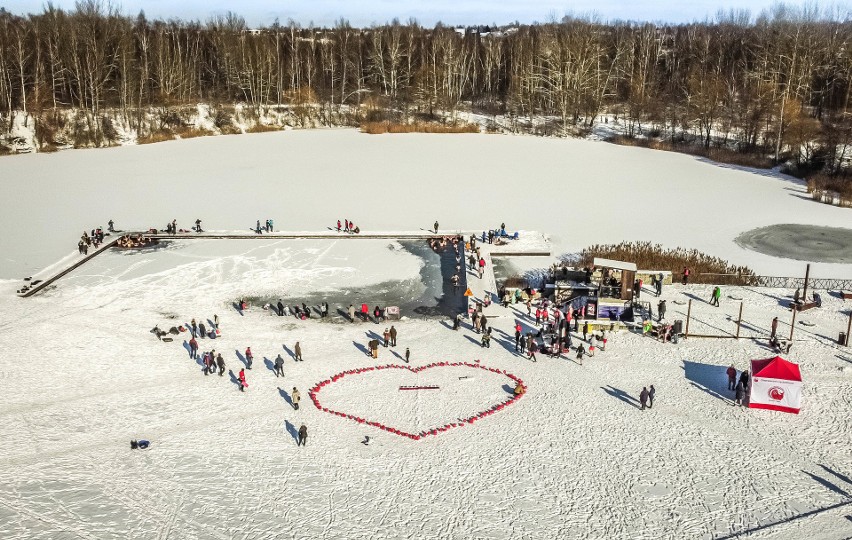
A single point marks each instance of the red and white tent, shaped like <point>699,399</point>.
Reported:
<point>776,384</point>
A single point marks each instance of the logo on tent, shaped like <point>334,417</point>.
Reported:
<point>775,393</point>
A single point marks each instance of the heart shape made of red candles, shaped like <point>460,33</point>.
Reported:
<point>493,408</point>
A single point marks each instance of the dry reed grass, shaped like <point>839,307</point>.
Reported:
<point>648,256</point>
<point>375,128</point>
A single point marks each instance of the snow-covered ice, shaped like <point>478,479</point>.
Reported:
<point>81,374</point>
<point>579,192</point>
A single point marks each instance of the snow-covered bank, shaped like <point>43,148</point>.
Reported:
<point>579,192</point>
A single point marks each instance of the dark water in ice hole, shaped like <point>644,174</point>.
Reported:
<point>431,295</point>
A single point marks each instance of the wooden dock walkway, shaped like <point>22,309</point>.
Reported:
<point>77,264</point>
<point>492,250</point>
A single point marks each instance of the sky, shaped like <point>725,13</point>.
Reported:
<point>427,12</point>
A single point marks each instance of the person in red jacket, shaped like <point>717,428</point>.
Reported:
<point>685,275</point>
<point>249,357</point>
<point>242,378</point>
<point>193,348</point>
<point>732,377</point>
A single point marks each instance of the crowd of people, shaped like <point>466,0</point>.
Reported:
<point>135,241</point>
<point>94,239</point>
<point>347,227</point>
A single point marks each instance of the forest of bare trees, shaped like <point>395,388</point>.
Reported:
<point>778,85</point>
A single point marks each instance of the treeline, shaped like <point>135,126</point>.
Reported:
<point>778,85</point>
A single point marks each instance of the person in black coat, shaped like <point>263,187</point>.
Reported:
<point>280,308</point>
<point>303,436</point>
<point>744,380</point>
<point>643,397</point>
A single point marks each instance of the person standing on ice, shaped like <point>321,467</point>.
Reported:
<point>295,397</point>
<point>351,313</point>
<point>338,225</point>
<point>111,225</point>
<point>744,380</point>
<point>221,363</point>
<point>303,436</point>
<point>651,394</point>
<point>407,355</point>
<point>732,377</point>
<point>324,310</point>
<point>216,321</point>
<point>198,226</point>
<point>298,352</point>
<point>436,227</point>
<point>193,348</point>
<point>249,357</point>
<point>202,331</point>
<point>280,308</point>
<point>386,337</point>
<point>643,397</point>
<point>392,336</point>
<point>279,366</point>
<point>242,378</point>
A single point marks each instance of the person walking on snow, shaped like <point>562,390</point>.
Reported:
<point>351,313</point>
<point>581,350</point>
<point>193,348</point>
<point>661,310</point>
<point>386,337</point>
<point>221,363</point>
<point>407,355</point>
<point>717,293</point>
<point>774,329</point>
<point>249,357</point>
<point>643,397</point>
<point>392,336</point>
<point>732,377</point>
<point>739,393</point>
<point>651,393</point>
<point>202,331</point>
<point>298,352</point>
<point>279,366</point>
<point>280,308</point>
<point>242,379</point>
<point>295,397</point>
<point>193,328</point>
<point>303,436</point>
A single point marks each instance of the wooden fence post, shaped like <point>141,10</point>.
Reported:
<point>793,324</point>
<point>688,313</point>
<point>740,320</point>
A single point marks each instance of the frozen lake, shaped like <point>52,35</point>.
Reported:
<point>580,192</point>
